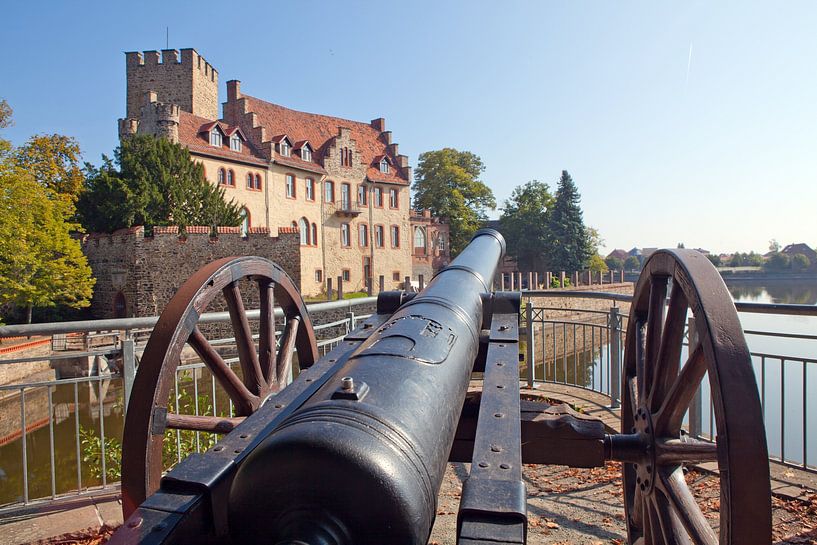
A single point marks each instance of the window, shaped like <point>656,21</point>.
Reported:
<point>290,186</point>
<point>395,276</point>
<point>441,243</point>
<point>310,189</point>
<point>215,137</point>
<point>344,235</point>
<point>419,238</point>
<point>329,191</point>
<point>384,166</point>
<point>314,235</point>
<point>245,221</point>
<point>250,181</point>
<point>378,197</point>
<point>378,236</point>
<point>306,153</point>
<point>222,174</point>
<point>235,143</point>
<point>345,275</point>
<point>303,229</point>
<point>363,234</point>
<point>345,197</point>
<point>230,177</point>
<point>258,182</point>
<point>393,202</point>
<point>284,146</point>
<point>318,275</point>
<point>345,157</point>
<point>395,236</point>
<point>361,195</point>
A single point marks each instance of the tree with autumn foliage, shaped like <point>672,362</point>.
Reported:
<point>41,264</point>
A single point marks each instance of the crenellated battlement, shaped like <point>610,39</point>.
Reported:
<point>181,77</point>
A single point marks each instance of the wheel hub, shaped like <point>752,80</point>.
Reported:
<point>645,468</point>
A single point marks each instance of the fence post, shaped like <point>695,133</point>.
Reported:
<point>531,363</point>
<point>615,361</point>
<point>128,365</point>
<point>340,288</point>
<point>328,289</point>
<point>422,281</point>
<point>561,279</point>
<point>695,406</point>
<point>382,281</point>
<point>351,323</point>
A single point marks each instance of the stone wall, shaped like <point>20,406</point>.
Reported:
<point>147,271</point>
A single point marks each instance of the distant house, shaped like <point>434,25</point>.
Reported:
<point>620,254</point>
<point>793,249</point>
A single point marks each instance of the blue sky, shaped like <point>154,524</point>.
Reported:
<point>686,122</point>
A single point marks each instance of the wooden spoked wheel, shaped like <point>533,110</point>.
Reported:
<point>658,389</point>
<point>263,371</point>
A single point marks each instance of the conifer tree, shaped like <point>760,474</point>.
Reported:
<point>569,246</point>
<point>156,184</point>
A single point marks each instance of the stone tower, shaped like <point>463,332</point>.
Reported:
<point>183,78</point>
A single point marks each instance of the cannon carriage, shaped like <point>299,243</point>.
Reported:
<point>375,421</point>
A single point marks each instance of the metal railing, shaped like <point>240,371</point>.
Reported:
<point>59,426</point>
<point>584,348</point>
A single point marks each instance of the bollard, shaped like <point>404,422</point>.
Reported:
<point>381,284</point>
<point>561,279</point>
<point>421,281</point>
<point>407,284</point>
<point>328,289</point>
<point>340,288</point>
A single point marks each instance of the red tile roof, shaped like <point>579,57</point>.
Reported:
<point>296,162</point>
<point>193,133</point>
<point>320,130</point>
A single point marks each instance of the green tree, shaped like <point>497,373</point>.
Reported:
<point>447,183</point>
<point>753,259</point>
<point>524,223</point>
<point>6,120</point>
<point>774,246</point>
<point>714,259</point>
<point>778,262</point>
<point>737,260</point>
<point>53,161</point>
<point>614,263</point>
<point>632,264</point>
<point>597,264</point>
<point>800,262</point>
<point>41,265</point>
<point>156,183</point>
<point>569,246</point>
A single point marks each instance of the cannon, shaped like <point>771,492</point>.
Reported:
<point>353,449</point>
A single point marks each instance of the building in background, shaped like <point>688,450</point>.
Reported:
<point>343,184</point>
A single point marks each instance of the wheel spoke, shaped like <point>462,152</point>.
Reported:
<point>632,387</point>
<point>287,350</point>
<point>668,360</point>
<point>675,489</point>
<point>671,527</point>
<point>671,414</point>
<point>688,451</point>
<point>655,328</point>
<point>247,356</point>
<point>245,402</point>
<point>212,424</point>
<point>640,359</point>
<point>266,332</point>
<point>637,513</point>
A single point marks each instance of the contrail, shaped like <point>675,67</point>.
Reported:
<point>689,65</point>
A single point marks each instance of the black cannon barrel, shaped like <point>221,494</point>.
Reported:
<point>363,460</point>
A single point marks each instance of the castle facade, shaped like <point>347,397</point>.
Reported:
<point>342,184</point>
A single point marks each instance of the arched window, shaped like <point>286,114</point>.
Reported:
<point>222,174</point>
<point>244,214</point>
<point>419,238</point>
<point>258,182</point>
<point>303,228</point>
<point>314,235</point>
<point>230,177</point>
<point>250,181</point>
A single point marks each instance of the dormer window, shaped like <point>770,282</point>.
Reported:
<point>384,166</point>
<point>284,146</point>
<point>235,143</point>
<point>306,154</point>
<point>215,137</point>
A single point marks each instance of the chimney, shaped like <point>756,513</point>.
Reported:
<point>233,90</point>
<point>379,124</point>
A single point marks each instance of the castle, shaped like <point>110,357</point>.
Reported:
<point>342,184</point>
